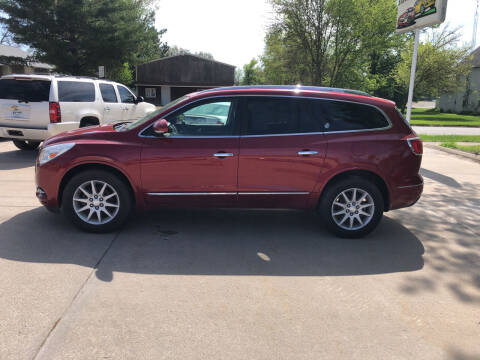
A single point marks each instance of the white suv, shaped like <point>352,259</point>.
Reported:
<point>35,107</point>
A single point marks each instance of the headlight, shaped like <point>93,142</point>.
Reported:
<point>51,152</point>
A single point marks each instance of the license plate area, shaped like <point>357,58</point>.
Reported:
<point>15,133</point>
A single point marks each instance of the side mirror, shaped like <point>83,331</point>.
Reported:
<point>160,127</point>
<point>139,99</point>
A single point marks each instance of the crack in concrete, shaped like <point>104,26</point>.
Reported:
<point>75,297</point>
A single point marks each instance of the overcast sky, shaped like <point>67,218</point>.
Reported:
<point>233,30</point>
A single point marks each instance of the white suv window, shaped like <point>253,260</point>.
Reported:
<point>108,93</point>
<point>76,91</point>
<point>125,95</point>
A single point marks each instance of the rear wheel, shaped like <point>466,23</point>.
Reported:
<point>97,201</point>
<point>352,208</point>
<point>26,144</point>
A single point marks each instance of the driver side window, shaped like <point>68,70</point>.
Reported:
<point>205,119</point>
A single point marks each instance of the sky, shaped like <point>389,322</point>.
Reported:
<point>233,31</point>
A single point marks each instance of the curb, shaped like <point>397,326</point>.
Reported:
<point>463,154</point>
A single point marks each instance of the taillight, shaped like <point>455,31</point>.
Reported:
<point>415,144</point>
<point>55,113</point>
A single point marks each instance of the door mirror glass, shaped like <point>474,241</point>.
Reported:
<point>160,127</point>
<point>139,99</point>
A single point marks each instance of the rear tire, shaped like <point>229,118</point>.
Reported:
<point>26,144</point>
<point>105,207</point>
<point>351,208</point>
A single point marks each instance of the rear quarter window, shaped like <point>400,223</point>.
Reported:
<point>25,90</point>
<point>347,116</point>
<point>76,91</point>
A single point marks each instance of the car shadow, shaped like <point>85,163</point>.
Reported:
<point>17,159</point>
<point>212,242</point>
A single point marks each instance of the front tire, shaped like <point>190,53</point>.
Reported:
<point>97,201</point>
<point>351,208</point>
<point>26,144</point>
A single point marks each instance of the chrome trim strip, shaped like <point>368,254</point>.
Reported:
<point>390,125</point>
<point>191,194</point>
<point>274,193</point>
<point>227,193</point>
<point>409,186</point>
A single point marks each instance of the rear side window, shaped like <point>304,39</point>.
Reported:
<point>25,90</point>
<point>266,115</point>
<point>346,116</point>
<point>76,91</point>
<point>108,93</point>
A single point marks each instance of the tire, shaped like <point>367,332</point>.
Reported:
<point>26,144</point>
<point>118,205</point>
<point>332,214</point>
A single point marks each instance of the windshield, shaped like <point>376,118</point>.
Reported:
<point>143,120</point>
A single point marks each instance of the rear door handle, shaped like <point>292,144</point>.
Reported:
<point>307,152</point>
<point>222,155</point>
<point>107,109</point>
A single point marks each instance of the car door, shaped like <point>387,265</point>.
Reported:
<point>127,100</point>
<point>282,150</point>
<point>112,109</point>
<point>196,163</point>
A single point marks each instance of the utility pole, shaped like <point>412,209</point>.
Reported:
<point>412,75</point>
<point>475,26</point>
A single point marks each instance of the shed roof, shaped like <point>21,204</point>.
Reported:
<point>185,70</point>
<point>12,51</point>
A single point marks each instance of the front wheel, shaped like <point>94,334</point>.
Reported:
<point>97,201</point>
<point>352,208</point>
<point>26,144</point>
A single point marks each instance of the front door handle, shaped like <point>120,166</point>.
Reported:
<point>307,152</point>
<point>222,155</point>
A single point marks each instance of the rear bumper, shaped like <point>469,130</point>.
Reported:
<point>24,132</point>
<point>407,195</point>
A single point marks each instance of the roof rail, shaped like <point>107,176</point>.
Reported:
<point>292,87</point>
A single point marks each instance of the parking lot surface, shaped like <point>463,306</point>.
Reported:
<point>231,284</point>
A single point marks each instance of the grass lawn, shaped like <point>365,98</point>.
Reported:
<point>432,117</point>
<point>450,138</point>
<point>474,149</point>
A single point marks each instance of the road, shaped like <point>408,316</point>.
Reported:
<point>224,284</point>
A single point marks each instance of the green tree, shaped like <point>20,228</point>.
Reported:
<point>328,42</point>
<point>252,74</point>
<point>122,74</point>
<point>176,50</point>
<point>442,65</point>
<point>79,35</point>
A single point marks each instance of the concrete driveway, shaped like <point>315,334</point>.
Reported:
<point>446,130</point>
<point>211,284</point>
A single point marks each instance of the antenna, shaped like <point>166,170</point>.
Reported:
<point>475,26</point>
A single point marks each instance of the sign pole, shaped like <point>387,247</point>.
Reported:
<point>412,75</point>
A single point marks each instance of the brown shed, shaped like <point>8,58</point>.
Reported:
<point>163,80</point>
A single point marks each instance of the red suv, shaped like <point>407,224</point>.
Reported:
<point>345,154</point>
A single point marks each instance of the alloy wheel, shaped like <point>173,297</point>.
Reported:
<point>96,202</point>
<point>353,209</point>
